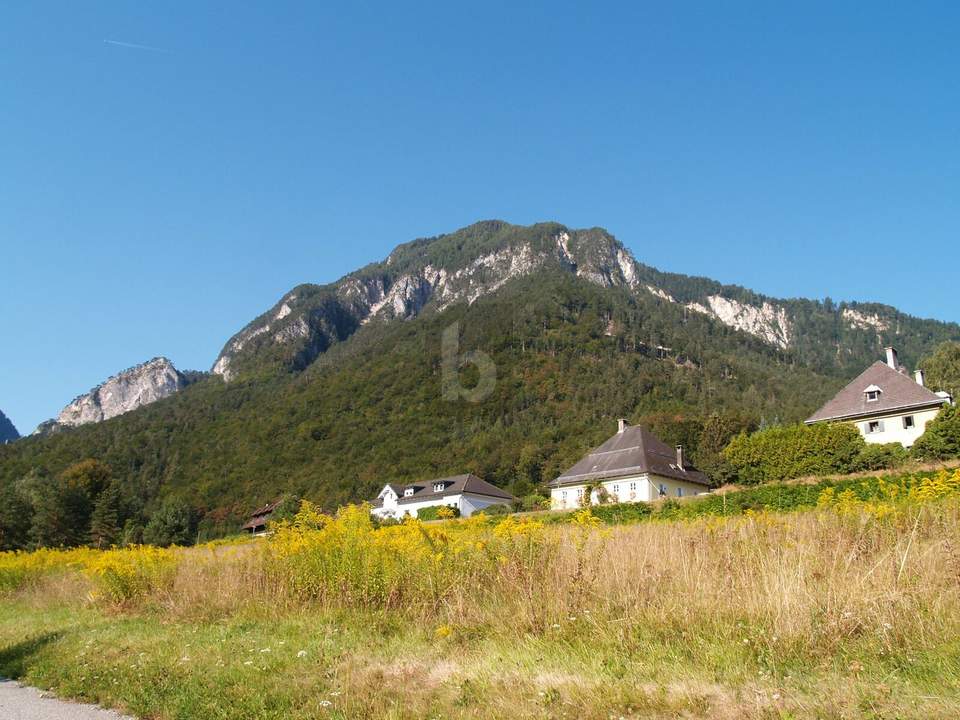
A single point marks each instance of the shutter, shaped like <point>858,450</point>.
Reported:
<point>880,426</point>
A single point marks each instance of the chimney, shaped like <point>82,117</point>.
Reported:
<point>892,357</point>
<point>918,376</point>
<point>621,425</point>
<point>680,456</point>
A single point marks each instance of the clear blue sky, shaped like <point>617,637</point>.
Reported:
<point>155,199</point>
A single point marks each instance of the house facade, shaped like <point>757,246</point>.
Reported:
<point>885,403</point>
<point>632,466</point>
<point>465,493</point>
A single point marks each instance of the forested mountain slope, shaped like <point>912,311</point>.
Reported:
<point>338,389</point>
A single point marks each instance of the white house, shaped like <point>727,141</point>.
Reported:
<point>884,403</point>
<point>632,466</point>
<point>466,493</point>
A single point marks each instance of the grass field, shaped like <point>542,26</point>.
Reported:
<point>848,610</point>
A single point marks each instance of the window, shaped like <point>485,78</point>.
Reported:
<point>563,495</point>
<point>662,490</point>
<point>908,422</point>
<point>872,395</point>
<point>874,426</point>
<point>438,487</point>
<point>408,492</point>
<point>679,492</point>
<point>616,489</point>
<point>633,487</point>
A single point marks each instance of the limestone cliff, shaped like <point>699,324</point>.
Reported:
<point>126,391</point>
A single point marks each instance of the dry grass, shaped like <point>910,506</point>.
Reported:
<point>816,614</point>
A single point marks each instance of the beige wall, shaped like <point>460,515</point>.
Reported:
<point>638,488</point>
<point>893,429</point>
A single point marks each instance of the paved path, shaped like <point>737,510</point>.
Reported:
<point>26,703</point>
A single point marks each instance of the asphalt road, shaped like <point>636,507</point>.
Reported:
<point>26,703</point>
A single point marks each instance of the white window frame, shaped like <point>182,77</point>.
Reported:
<point>909,419</point>
<point>874,431</point>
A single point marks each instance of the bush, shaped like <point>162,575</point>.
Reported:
<point>881,457</point>
<point>941,438</point>
<point>494,510</point>
<point>793,451</point>
<point>533,502</point>
<point>438,512</point>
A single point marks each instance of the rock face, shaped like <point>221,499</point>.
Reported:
<point>126,391</point>
<point>767,322</point>
<point>8,433</point>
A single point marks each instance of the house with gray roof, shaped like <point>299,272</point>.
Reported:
<point>465,494</point>
<point>884,403</point>
<point>632,466</point>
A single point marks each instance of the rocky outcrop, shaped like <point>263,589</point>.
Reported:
<point>767,322</point>
<point>8,433</point>
<point>126,391</point>
<point>864,321</point>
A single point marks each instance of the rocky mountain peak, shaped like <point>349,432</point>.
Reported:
<point>8,433</point>
<point>429,274</point>
<point>128,390</point>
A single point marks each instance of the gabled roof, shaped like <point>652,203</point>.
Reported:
<point>456,485</point>
<point>259,517</point>
<point>897,392</point>
<point>634,451</point>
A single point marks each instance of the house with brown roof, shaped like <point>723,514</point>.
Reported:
<point>466,494</point>
<point>632,466</point>
<point>259,518</point>
<point>884,403</point>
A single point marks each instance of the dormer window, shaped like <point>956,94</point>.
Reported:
<point>872,393</point>
<point>438,487</point>
<point>408,492</point>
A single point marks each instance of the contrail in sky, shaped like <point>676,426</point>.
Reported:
<point>135,46</point>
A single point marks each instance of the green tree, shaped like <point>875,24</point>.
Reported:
<point>941,437</point>
<point>172,524</point>
<point>15,518</point>
<point>942,368</point>
<point>105,519</point>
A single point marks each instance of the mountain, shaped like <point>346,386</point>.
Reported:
<point>430,275</point>
<point>128,390</point>
<point>8,433</point>
<point>500,350</point>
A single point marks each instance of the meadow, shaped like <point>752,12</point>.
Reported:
<point>846,607</point>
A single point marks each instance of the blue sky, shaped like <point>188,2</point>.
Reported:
<point>154,199</point>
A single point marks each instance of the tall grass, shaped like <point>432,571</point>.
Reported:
<point>884,569</point>
<point>863,583</point>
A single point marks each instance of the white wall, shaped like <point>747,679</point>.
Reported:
<point>892,427</point>
<point>637,488</point>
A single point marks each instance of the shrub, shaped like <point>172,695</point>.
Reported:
<point>438,512</point>
<point>880,457</point>
<point>941,438</point>
<point>533,502</point>
<point>494,510</point>
<point>792,451</point>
